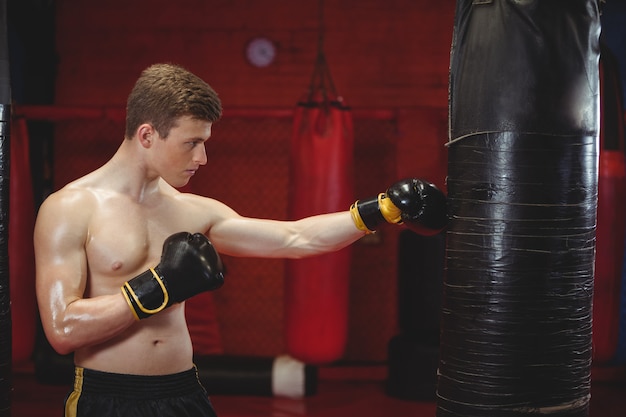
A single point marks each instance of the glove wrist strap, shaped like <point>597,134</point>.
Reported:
<point>135,293</point>
<point>366,214</point>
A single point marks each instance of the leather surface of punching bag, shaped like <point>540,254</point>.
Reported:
<point>316,288</point>
<point>21,252</point>
<point>522,182</point>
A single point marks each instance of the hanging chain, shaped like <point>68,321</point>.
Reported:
<point>321,80</point>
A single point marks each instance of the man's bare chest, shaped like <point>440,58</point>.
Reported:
<point>125,239</point>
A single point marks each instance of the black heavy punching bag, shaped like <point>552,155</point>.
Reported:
<point>522,188</point>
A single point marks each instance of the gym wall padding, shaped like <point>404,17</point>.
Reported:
<point>202,321</point>
<point>21,252</point>
<point>5,303</point>
<point>5,297</point>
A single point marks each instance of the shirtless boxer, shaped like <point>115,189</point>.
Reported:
<point>120,249</point>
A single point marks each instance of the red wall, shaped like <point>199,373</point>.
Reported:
<point>391,55</point>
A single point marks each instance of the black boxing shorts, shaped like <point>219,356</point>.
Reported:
<point>103,394</point>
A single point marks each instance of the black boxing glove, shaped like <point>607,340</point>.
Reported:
<point>416,203</point>
<point>189,265</point>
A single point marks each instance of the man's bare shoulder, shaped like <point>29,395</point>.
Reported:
<point>73,194</point>
<point>202,202</point>
<point>71,204</point>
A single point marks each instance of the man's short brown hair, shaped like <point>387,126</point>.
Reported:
<point>165,92</point>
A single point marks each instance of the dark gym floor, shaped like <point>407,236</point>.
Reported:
<point>341,392</point>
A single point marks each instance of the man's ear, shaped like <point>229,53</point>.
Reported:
<point>146,134</point>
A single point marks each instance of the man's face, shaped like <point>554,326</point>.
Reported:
<point>178,157</point>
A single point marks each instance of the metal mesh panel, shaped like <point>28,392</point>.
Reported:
<point>248,169</point>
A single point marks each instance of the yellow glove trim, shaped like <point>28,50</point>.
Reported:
<point>356,217</point>
<point>390,212</point>
<point>166,297</point>
<point>130,304</point>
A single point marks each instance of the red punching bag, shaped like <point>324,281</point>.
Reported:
<point>316,288</point>
<point>21,252</point>
<point>611,223</point>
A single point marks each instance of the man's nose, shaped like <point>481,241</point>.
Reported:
<point>200,155</point>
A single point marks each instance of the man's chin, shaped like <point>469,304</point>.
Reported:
<point>179,183</point>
